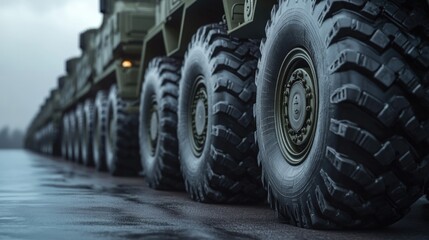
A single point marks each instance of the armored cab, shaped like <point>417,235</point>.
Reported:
<point>99,87</point>
<point>68,92</point>
<point>85,68</point>
<point>119,42</point>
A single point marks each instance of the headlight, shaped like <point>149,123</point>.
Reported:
<point>127,64</point>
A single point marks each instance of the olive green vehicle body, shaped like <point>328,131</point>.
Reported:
<point>178,20</point>
<point>138,31</point>
<point>119,38</point>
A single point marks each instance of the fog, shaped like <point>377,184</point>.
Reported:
<point>11,139</point>
<point>36,37</point>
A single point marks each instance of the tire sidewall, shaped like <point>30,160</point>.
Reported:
<point>84,138</point>
<point>111,132</point>
<point>64,136</point>
<point>97,132</point>
<point>71,136</point>
<point>87,152</point>
<point>196,63</point>
<point>293,28</point>
<point>99,137</point>
<point>150,91</point>
<point>78,115</point>
<point>80,134</point>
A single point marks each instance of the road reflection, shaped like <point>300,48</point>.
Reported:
<point>45,198</point>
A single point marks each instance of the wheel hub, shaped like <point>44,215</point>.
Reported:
<point>153,128</point>
<point>199,116</point>
<point>296,106</point>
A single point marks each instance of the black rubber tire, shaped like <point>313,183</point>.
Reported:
<point>44,142</point>
<point>159,93</point>
<point>78,114</point>
<point>64,137</point>
<point>226,171</point>
<point>71,136</point>
<point>56,147</point>
<point>87,133</point>
<point>369,159</point>
<point>50,139</point>
<point>99,135</point>
<point>122,148</point>
<point>46,139</point>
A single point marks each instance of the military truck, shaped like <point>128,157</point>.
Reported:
<point>320,105</point>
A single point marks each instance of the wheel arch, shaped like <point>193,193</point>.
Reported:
<point>247,18</point>
<point>172,36</point>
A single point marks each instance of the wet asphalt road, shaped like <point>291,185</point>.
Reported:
<point>43,198</point>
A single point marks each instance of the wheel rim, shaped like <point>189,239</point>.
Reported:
<point>153,128</point>
<point>199,116</point>
<point>296,106</point>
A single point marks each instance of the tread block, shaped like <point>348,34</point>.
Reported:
<point>234,175</point>
<point>350,131</point>
<point>346,196</point>
<point>331,212</point>
<point>348,167</point>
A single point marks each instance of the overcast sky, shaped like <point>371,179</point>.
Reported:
<point>36,37</point>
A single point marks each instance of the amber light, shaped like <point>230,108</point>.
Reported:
<point>127,64</point>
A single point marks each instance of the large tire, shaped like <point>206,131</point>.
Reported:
<point>158,125</point>
<point>99,136</point>
<point>216,125</point>
<point>64,136</point>
<point>71,136</point>
<point>122,148</point>
<point>362,159</point>
<point>87,133</point>
<point>46,139</point>
<point>78,115</point>
<point>56,148</point>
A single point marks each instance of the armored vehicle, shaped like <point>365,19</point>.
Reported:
<point>320,105</point>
